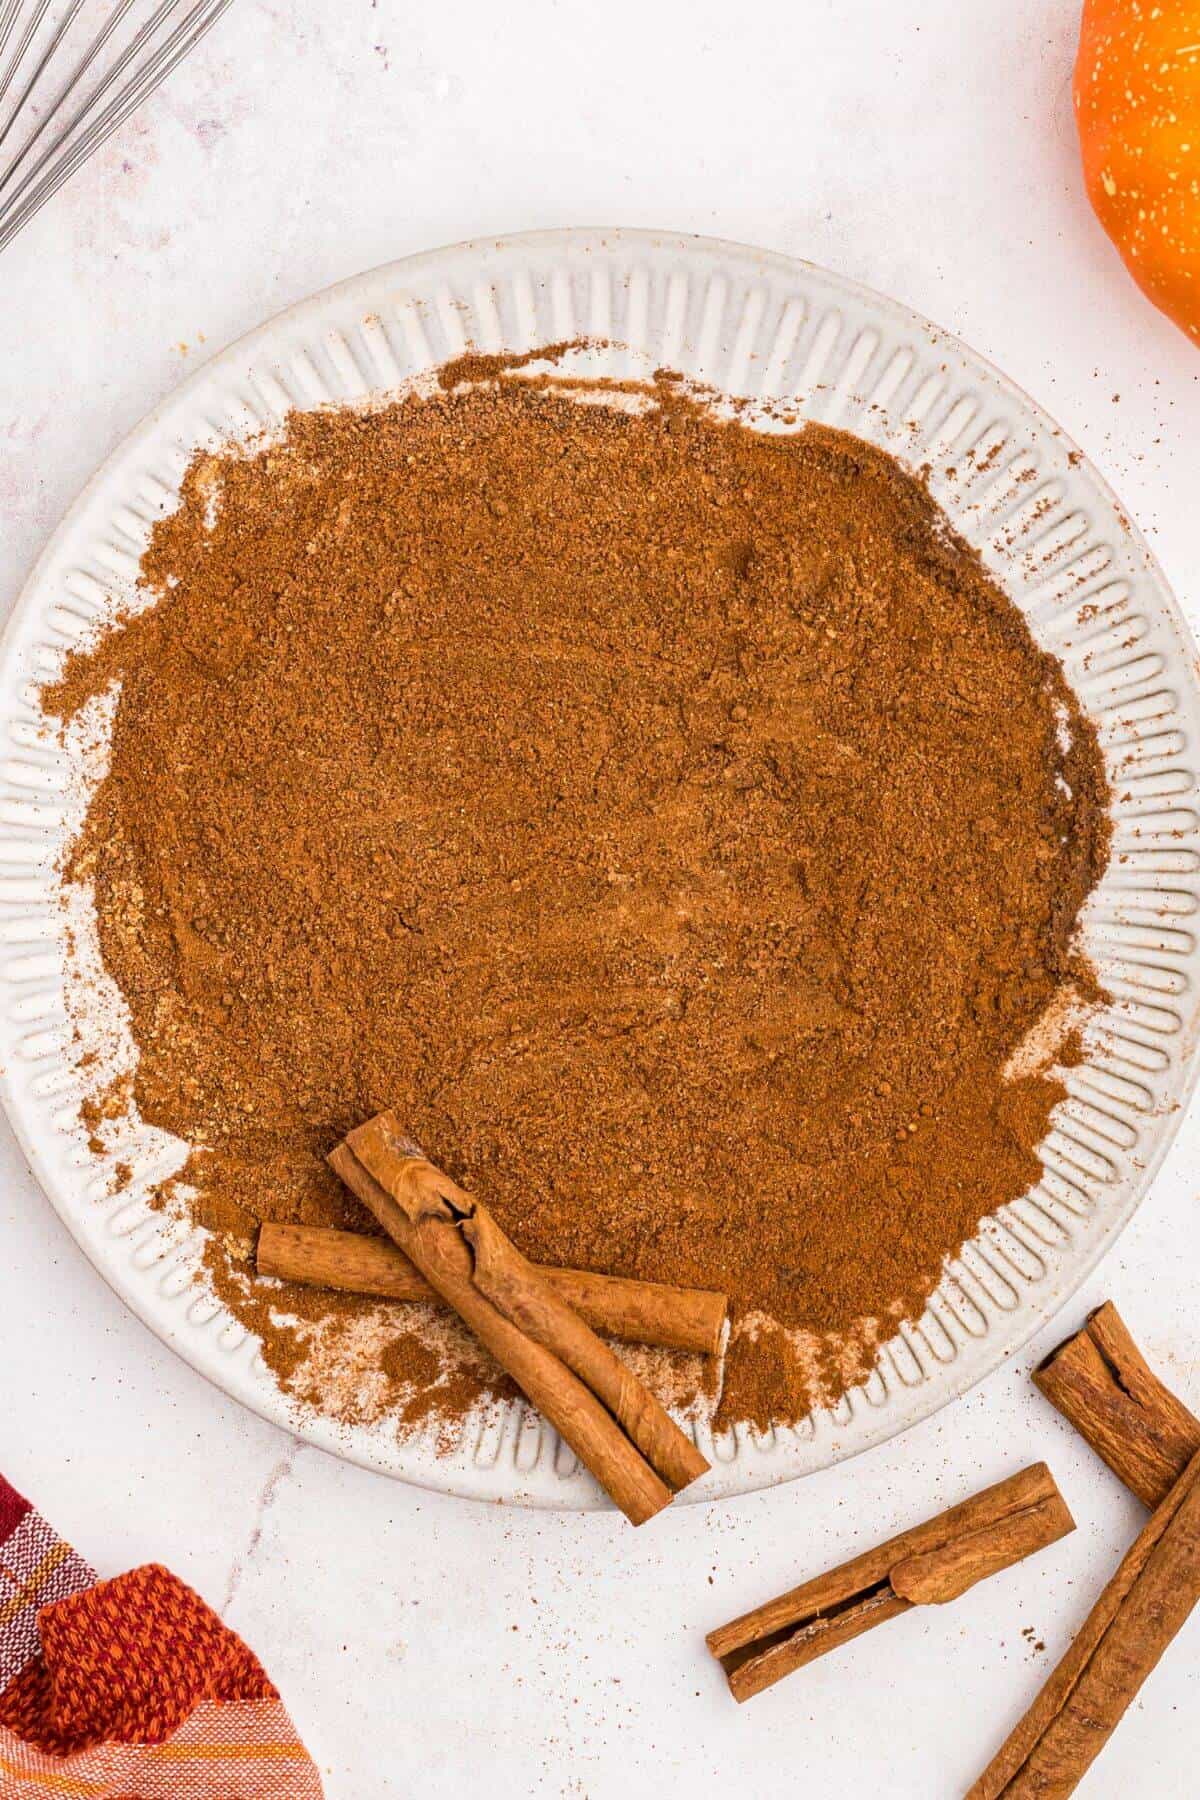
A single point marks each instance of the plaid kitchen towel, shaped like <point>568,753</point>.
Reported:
<point>129,1689</point>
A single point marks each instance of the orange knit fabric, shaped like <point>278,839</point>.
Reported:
<point>130,1689</point>
<point>126,1662</point>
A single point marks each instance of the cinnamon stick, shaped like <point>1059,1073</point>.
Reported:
<point>933,1563</point>
<point>1125,1634</point>
<point>639,1312</point>
<point>1103,1386</point>
<point>614,1425</point>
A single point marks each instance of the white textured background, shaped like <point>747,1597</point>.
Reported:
<point>426,1645</point>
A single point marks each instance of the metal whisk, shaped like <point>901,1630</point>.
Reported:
<point>69,75</point>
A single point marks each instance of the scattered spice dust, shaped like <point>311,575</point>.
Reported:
<point>671,820</point>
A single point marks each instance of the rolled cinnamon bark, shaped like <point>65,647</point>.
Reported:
<point>1103,1386</point>
<point>639,1312</point>
<point>614,1425</point>
<point>1130,1626</point>
<point>931,1564</point>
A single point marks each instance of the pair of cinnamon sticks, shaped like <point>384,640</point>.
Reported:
<point>1103,1386</point>
<point>1101,1383</point>
<point>524,1317</point>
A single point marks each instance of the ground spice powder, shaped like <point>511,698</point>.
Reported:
<point>672,821</point>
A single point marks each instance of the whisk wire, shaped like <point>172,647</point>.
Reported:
<point>133,75</point>
<point>93,51</point>
<point>144,35</point>
<point>8,18</point>
<point>142,84</point>
<point>39,68</point>
<point>31,24</point>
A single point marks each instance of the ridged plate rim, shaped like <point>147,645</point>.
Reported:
<point>589,281</point>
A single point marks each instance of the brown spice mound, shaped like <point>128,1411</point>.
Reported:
<point>671,821</point>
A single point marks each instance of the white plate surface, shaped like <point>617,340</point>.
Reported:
<point>754,324</point>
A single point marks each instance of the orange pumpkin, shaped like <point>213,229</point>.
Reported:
<point>1137,109</point>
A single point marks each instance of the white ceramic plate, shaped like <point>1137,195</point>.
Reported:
<point>754,324</point>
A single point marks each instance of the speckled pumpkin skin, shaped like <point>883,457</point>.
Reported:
<point>1137,109</point>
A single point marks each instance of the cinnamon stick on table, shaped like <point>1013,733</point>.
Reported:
<point>933,1563</point>
<point>1103,1386</point>
<point>640,1312</point>
<point>1126,1632</point>
<point>615,1426</point>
